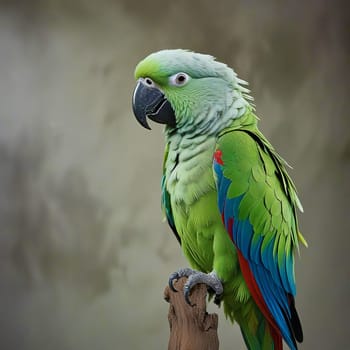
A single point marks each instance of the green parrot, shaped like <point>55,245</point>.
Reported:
<point>225,193</point>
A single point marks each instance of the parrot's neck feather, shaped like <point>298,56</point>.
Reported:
<point>212,118</point>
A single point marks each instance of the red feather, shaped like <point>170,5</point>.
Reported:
<point>277,339</point>
<point>259,300</point>
<point>251,282</point>
<point>218,157</point>
<point>230,228</point>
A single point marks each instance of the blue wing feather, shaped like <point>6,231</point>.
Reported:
<point>274,282</point>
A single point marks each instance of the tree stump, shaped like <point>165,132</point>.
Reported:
<point>191,327</point>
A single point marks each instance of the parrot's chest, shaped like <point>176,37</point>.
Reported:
<point>189,172</point>
<point>191,186</point>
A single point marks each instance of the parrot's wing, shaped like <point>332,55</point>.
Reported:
<point>166,204</point>
<point>257,201</point>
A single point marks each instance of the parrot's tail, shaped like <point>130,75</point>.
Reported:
<point>277,339</point>
<point>259,335</point>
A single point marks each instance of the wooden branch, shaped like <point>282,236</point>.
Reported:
<point>191,327</point>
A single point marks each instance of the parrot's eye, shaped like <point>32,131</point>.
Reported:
<point>179,79</point>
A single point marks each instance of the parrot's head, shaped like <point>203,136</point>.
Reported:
<point>186,90</point>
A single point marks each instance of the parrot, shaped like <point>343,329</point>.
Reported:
<point>225,193</point>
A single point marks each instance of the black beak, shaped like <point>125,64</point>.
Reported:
<point>149,101</point>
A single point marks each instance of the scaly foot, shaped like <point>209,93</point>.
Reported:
<point>197,277</point>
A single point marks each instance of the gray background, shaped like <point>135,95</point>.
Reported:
<point>84,254</point>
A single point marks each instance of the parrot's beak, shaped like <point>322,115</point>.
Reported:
<point>149,101</point>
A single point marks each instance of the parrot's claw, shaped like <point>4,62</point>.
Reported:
<point>217,299</point>
<point>186,272</point>
<point>197,277</point>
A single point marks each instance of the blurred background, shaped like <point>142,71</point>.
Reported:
<point>84,254</point>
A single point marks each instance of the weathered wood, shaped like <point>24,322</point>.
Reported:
<point>191,327</point>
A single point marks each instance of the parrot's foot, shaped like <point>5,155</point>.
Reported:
<point>196,277</point>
